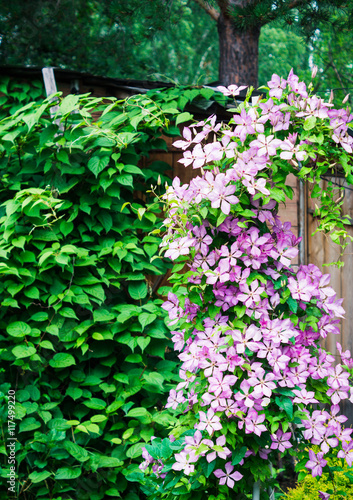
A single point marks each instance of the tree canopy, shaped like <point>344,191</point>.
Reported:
<point>177,40</point>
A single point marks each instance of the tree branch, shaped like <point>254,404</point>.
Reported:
<point>211,11</point>
<point>296,3</point>
<point>335,68</point>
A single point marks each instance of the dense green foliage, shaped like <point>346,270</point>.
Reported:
<point>83,340</point>
<point>174,41</point>
<point>139,39</point>
<point>339,484</point>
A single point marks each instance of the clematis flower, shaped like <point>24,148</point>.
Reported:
<point>222,196</point>
<point>228,477</point>
<point>280,441</point>
<point>209,422</point>
<point>185,461</point>
<point>316,463</point>
<point>276,85</point>
<point>220,443</point>
<point>232,90</point>
<point>267,145</point>
<point>174,399</point>
<point>346,452</point>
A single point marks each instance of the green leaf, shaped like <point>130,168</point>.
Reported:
<point>143,342</point>
<point>46,344</point>
<point>18,329</point>
<point>138,290</point>
<point>133,358</point>
<point>23,351</point>
<point>76,451</point>
<point>137,412</point>
<point>69,103</point>
<point>293,304</point>
<point>62,360</point>
<point>238,455</point>
<point>183,117</point>
<point>103,315</point>
<point>221,218</point>
<point>146,318</point>
<point>29,424</point>
<point>155,381</point>
<point>208,468</point>
<point>39,316</point>
<point>204,212</point>
<point>67,312</point>
<point>135,450</point>
<point>95,404</point>
<point>32,293</point>
<point>38,477</point>
<point>66,227</point>
<point>132,169</point>
<point>104,461</point>
<point>74,392</point>
<point>97,164</point>
<point>106,220</point>
<point>125,180</point>
<point>287,404</point>
<point>19,242</point>
<point>310,123</point>
<point>68,473</point>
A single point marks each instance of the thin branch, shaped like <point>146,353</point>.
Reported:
<point>295,4</point>
<point>334,66</point>
<point>211,11</point>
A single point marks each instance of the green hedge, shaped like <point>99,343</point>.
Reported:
<point>82,335</point>
<point>339,484</point>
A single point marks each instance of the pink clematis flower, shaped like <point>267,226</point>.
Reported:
<point>209,422</point>
<point>280,441</point>
<point>228,477</point>
<point>316,463</point>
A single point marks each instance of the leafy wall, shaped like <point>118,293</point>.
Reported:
<point>82,335</point>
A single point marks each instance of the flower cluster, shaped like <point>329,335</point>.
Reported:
<point>249,323</point>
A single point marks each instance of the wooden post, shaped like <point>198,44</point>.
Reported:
<point>50,89</point>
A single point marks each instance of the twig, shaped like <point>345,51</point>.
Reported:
<point>211,11</point>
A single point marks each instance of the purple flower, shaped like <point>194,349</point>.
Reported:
<point>267,145</point>
<point>209,422</point>
<point>346,452</point>
<point>220,442</point>
<point>228,477</point>
<point>188,139</point>
<point>232,90</point>
<point>305,397</point>
<point>280,440</point>
<point>184,461</point>
<point>276,85</point>
<point>316,463</point>
<point>180,246</point>
<point>244,125</point>
<point>222,196</point>
<point>174,399</point>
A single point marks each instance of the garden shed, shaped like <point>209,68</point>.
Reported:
<point>317,249</point>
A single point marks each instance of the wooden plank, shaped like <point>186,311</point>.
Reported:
<point>50,89</point>
<point>323,250</point>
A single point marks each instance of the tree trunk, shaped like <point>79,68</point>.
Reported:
<point>239,53</point>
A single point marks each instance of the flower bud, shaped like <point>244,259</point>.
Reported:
<point>159,181</point>
<point>331,97</point>
<point>345,99</point>
<point>314,72</point>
